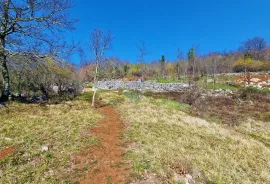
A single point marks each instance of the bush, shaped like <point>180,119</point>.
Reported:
<point>148,93</point>
<point>192,95</point>
<point>252,92</point>
<point>252,66</point>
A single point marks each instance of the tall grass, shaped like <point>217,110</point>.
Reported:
<point>166,138</point>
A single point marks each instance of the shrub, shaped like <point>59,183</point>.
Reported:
<point>148,93</point>
<point>192,95</point>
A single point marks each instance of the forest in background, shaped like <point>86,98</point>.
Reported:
<point>253,55</point>
<point>33,75</point>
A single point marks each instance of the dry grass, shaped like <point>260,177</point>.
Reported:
<point>167,141</point>
<point>63,128</point>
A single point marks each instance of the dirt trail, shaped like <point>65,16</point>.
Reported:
<point>104,161</point>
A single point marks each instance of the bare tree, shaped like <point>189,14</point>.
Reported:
<point>191,65</point>
<point>180,58</point>
<point>254,46</point>
<point>143,52</point>
<point>100,43</point>
<point>28,24</point>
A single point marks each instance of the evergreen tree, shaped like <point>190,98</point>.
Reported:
<point>162,65</point>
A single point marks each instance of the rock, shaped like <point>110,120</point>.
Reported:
<point>190,179</point>
<point>255,80</point>
<point>178,178</point>
<point>142,86</point>
<point>188,176</point>
<point>8,139</point>
<point>44,148</point>
<point>55,88</point>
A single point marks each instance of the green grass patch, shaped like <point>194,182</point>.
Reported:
<point>171,104</point>
<point>133,96</point>
<point>88,86</point>
<point>170,80</point>
<point>85,96</point>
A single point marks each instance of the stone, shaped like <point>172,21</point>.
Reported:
<point>178,178</point>
<point>8,139</point>
<point>44,148</point>
<point>143,86</point>
<point>190,179</point>
<point>55,88</point>
<point>255,80</point>
<point>188,176</point>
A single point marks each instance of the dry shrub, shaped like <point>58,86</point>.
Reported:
<point>231,110</point>
<point>188,97</point>
<point>181,167</point>
<point>191,95</point>
<point>220,108</point>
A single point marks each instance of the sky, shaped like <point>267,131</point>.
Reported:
<point>166,26</point>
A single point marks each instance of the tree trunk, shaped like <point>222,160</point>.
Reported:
<point>245,72</point>
<point>95,86</point>
<point>5,73</point>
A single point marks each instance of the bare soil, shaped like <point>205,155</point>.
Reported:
<point>7,151</point>
<point>104,162</point>
<point>259,79</point>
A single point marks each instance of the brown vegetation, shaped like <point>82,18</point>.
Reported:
<point>247,103</point>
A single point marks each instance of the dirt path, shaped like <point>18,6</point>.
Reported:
<point>104,162</point>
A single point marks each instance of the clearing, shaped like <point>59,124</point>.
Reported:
<point>132,138</point>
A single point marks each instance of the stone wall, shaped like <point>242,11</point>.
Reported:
<point>144,86</point>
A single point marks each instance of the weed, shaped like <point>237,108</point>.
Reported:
<point>108,178</point>
<point>85,96</point>
<point>49,155</point>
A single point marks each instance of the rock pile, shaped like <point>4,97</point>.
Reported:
<point>142,86</point>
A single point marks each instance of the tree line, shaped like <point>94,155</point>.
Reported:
<point>253,55</point>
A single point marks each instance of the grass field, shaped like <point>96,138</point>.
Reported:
<point>168,141</point>
<point>163,139</point>
<point>62,128</point>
